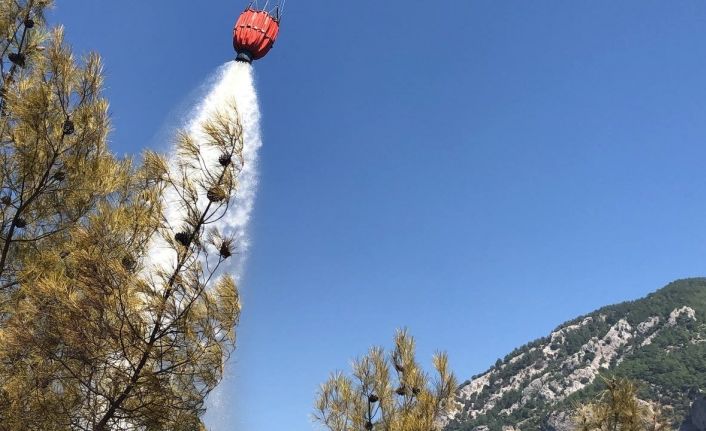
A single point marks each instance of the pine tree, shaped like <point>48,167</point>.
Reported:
<point>386,392</point>
<point>102,329</point>
<point>54,162</point>
<point>618,408</point>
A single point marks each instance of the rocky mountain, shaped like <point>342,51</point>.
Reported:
<point>659,340</point>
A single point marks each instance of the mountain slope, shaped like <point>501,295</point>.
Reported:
<point>659,340</point>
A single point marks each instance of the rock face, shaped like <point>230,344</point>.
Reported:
<point>696,420</point>
<point>559,421</point>
<point>659,340</point>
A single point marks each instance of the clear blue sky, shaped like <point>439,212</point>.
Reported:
<point>479,171</point>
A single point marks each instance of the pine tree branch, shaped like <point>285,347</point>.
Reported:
<point>154,335</point>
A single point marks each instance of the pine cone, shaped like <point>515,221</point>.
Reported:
<point>17,58</point>
<point>401,391</point>
<point>225,251</point>
<point>60,176</point>
<point>372,398</point>
<point>6,200</point>
<point>225,160</point>
<point>128,263</point>
<point>368,426</point>
<point>183,238</point>
<point>29,23</point>
<point>216,194</point>
<point>21,223</point>
<point>68,128</point>
<point>416,391</point>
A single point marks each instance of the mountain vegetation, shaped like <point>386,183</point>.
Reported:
<point>658,341</point>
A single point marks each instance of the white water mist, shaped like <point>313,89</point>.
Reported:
<point>234,82</point>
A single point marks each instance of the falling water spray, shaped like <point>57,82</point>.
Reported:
<point>236,84</point>
<point>233,85</point>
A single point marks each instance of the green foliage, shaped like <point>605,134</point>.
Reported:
<point>668,368</point>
